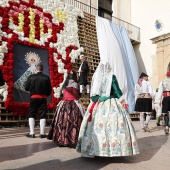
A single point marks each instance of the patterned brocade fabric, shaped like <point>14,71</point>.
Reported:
<point>110,132</point>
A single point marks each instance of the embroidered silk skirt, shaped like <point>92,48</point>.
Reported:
<point>108,133</point>
<point>66,123</point>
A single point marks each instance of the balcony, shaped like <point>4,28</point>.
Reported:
<point>134,31</point>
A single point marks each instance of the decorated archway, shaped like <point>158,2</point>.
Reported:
<point>49,25</point>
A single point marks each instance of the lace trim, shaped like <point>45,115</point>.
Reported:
<point>72,83</point>
<point>101,81</point>
<point>19,84</point>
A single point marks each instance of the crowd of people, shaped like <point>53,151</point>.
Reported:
<point>105,128</point>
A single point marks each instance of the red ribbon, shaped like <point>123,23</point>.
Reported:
<point>91,111</point>
<point>125,106</point>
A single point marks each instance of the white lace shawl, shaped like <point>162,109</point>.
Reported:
<point>72,83</point>
<point>101,81</point>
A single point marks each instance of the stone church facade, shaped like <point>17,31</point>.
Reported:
<point>161,60</point>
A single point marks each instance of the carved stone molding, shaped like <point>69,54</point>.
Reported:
<point>163,37</point>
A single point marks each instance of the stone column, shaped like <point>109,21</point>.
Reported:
<point>161,59</point>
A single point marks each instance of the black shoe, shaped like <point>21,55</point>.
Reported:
<point>158,124</point>
<point>30,135</point>
<point>146,128</point>
<point>43,136</point>
<point>63,145</point>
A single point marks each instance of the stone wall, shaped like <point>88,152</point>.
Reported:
<point>161,59</point>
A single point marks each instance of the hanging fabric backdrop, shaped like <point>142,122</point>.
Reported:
<point>129,60</point>
<point>115,47</point>
<point>110,51</point>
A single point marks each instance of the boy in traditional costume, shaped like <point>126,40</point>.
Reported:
<point>144,94</point>
<point>164,97</point>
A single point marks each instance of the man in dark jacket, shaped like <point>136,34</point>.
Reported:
<point>83,73</point>
<point>39,86</point>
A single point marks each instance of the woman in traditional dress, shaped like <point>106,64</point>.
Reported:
<point>106,129</point>
<point>68,115</point>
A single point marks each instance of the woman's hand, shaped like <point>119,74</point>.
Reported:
<point>125,105</point>
<point>123,101</point>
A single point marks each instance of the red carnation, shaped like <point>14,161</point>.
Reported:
<point>5,21</point>
<point>1,12</point>
<point>11,55</point>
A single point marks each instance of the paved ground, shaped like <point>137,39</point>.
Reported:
<point>20,153</point>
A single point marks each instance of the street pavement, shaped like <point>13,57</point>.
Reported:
<point>20,153</point>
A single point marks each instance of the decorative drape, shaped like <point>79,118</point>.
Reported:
<point>130,54</point>
<point>129,60</point>
<point>110,52</point>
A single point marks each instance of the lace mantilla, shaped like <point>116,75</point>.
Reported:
<point>32,59</point>
<point>102,80</point>
<point>72,83</point>
<point>19,84</point>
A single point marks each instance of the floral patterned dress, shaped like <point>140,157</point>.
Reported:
<point>109,132</point>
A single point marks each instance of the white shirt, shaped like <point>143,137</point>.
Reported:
<point>163,86</point>
<point>80,68</point>
<point>156,99</point>
<point>145,88</point>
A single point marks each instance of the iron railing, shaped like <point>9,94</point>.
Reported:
<point>134,31</point>
<point>84,7</point>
